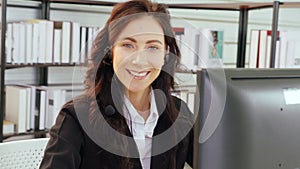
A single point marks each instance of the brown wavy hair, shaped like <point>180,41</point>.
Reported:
<point>100,75</point>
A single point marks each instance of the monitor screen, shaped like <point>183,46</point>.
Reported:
<point>248,119</point>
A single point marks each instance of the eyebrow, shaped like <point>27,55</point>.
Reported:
<point>149,41</point>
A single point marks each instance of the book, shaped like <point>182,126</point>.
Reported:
<point>91,35</point>
<point>216,49</point>
<point>54,100</point>
<point>262,49</point>
<point>179,33</point>
<point>292,48</point>
<point>83,46</point>
<point>29,43</point>
<point>89,43</point>
<point>285,53</point>
<point>16,106</point>
<point>253,52</point>
<point>191,101</point>
<point>35,42</point>
<point>40,108</point>
<point>269,48</point>
<point>56,96</point>
<point>200,47</point>
<point>210,48</point>
<point>9,43</point>
<point>49,42</point>
<point>8,127</point>
<point>281,60</point>
<point>15,43</point>
<point>57,46</point>
<point>189,43</point>
<point>261,46</point>
<point>30,101</point>
<point>42,39</point>
<point>22,42</point>
<point>75,42</point>
<point>65,28</point>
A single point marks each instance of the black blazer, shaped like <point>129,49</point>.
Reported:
<point>71,147</point>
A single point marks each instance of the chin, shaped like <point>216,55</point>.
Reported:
<point>136,88</point>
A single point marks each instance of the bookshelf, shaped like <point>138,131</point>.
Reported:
<point>45,7</point>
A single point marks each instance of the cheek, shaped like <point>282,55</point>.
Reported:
<point>116,63</point>
<point>118,60</point>
<point>158,62</point>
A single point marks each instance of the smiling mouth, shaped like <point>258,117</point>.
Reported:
<point>138,74</point>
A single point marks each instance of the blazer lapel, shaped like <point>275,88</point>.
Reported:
<point>161,160</point>
<point>133,149</point>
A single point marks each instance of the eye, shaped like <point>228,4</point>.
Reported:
<point>128,45</point>
<point>153,48</point>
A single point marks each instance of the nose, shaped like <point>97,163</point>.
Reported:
<point>140,58</point>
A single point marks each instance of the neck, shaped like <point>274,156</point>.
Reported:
<point>140,101</point>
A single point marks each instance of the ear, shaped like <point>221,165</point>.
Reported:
<point>107,52</point>
<point>167,55</point>
<point>107,60</point>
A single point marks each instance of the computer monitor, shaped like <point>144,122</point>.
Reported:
<point>248,119</point>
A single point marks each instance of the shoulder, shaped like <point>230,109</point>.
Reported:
<point>185,115</point>
<point>70,112</point>
<point>87,115</point>
<point>79,101</point>
<point>76,106</point>
<point>181,106</point>
<point>73,114</point>
<point>83,110</point>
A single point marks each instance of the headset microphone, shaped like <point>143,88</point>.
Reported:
<point>110,110</point>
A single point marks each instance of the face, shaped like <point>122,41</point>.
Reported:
<point>138,54</point>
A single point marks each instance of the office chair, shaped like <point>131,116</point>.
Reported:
<point>22,154</point>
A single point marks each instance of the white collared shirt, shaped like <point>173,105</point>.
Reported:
<point>142,131</point>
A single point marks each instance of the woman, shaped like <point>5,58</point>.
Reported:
<point>127,118</point>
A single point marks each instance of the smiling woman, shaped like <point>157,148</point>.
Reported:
<point>127,117</point>
<point>138,58</point>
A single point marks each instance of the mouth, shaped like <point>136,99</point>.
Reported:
<point>138,75</point>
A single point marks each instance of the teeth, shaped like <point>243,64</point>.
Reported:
<point>138,74</point>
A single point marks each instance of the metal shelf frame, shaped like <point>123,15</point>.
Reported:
<point>242,8</point>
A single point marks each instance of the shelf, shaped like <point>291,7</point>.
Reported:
<point>210,6</point>
<point>29,4</point>
<point>10,66</point>
<point>235,6</point>
<point>290,5</point>
<point>86,2</point>
<point>36,134</point>
<point>224,6</point>
<point>44,6</point>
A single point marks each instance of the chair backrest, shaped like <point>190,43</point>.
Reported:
<point>22,154</point>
